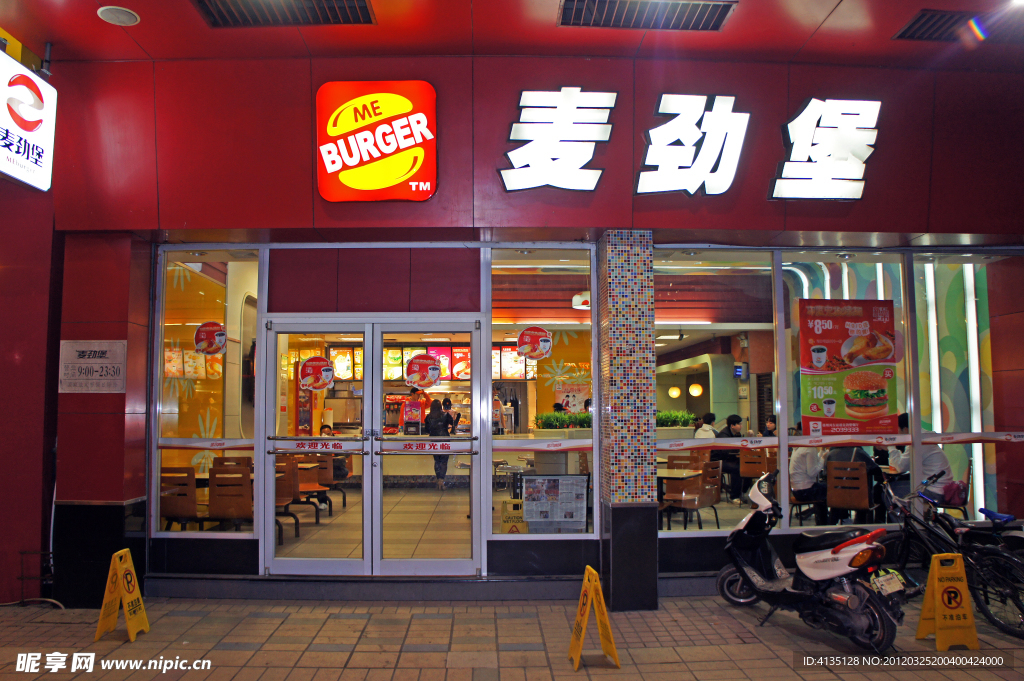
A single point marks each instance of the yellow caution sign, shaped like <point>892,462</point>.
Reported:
<point>512,517</point>
<point>122,587</point>
<point>592,593</point>
<point>947,611</point>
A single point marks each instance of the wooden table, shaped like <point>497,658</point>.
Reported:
<point>674,474</point>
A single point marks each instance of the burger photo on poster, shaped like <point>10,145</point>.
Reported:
<point>866,395</point>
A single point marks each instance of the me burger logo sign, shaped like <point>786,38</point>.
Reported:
<point>376,140</point>
<point>28,112</point>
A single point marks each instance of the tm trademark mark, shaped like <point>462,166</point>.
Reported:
<point>420,186</point>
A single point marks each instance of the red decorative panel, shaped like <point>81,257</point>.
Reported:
<point>451,206</point>
<point>1005,280</point>
<point>97,276</point>
<point>375,279</point>
<point>302,280</point>
<point>90,456</point>
<point>104,173</point>
<point>760,90</point>
<point>498,85</point>
<point>235,143</point>
<point>1005,334</point>
<point>445,280</point>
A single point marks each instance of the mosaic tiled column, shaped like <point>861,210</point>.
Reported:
<point>629,538</point>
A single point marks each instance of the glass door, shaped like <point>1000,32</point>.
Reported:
<point>316,492</point>
<point>425,449</point>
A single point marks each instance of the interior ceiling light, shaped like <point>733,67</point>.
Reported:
<point>197,254</point>
<point>667,337</point>
<point>692,253</point>
<point>436,338</point>
<point>118,16</point>
<point>696,390</point>
<point>845,256</point>
<point>674,392</point>
<point>581,301</point>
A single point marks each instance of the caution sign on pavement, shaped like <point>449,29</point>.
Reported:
<point>122,587</point>
<point>592,593</point>
<point>947,611</point>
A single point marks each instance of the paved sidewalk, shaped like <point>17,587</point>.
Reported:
<point>687,638</point>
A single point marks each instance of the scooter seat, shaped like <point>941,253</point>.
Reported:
<point>808,542</point>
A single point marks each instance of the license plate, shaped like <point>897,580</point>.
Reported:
<point>887,584</point>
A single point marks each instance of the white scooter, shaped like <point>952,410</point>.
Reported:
<point>838,584</point>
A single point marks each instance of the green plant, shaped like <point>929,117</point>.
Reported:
<point>673,419</point>
<point>552,420</point>
<point>582,420</point>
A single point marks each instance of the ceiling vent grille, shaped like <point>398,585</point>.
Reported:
<point>648,14</point>
<point>1006,26</point>
<point>266,13</point>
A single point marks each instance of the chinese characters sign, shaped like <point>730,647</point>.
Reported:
<point>93,366</point>
<point>848,355</point>
<point>376,140</point>
<point>28,111</point>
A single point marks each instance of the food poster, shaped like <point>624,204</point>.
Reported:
<point>174,367</point>
<point>408,353</point>
<point>495,364</point>
<point>513,365</point>
<point>393,364</point>
<point>566,375</point>
<point>303,411</point>
<point>214,366</point>
<point>341,359</point>
<point>195,365</point>
<point>211,338</point>
<point>531,369</point>
<point>316,373</point>
<point>848,358</point>
<point>422,371</point>
<point>357,361</point>
<point>534,343</point>
<point>444,359</point>
<point>461,364</point>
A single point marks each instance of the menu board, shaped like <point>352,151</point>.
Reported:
<point>461,365</point>
<point>531,369</point>
<point>555,504</point>
<point>848,355</point>
<point>394,366</point>
<point>214,366</point>
<point>495,364</point>
<point>174,367</point>
<point>408,353</point>
<point>195,365</point>
<point>444,359</point>
<point>358,362</point>
<point>513,365</point>
<point>341,360</point>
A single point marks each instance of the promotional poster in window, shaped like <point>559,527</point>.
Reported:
<point>848,355</point>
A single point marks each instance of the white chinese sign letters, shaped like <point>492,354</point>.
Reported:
<point>721,135</point>
<point>28,113</point>
<point>831,141</point>
<point>561,130</point>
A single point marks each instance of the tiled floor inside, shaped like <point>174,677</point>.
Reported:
<point>685,639</point>
<point>418,523</point>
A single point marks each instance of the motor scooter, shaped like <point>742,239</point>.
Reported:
<point>838,584</point>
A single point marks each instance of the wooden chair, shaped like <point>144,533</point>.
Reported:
<point>691,460</point>
<point>706,494</point>
<point>499,480</point>
<point>309,481</point>
<point>309,478</point>
<point>230,495</point>
<point>244,461</point>
<point>285,488</point>
<point>967,479</point>
<point>848,486</point>
<point>178,496</point>
<point>329,481</point>
<point>325,478</point>
<point>753,463</point>
<point>798,506</point>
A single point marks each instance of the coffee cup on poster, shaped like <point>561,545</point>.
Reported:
<point>829,407</point>
<point>326,375</point>
<point>222,339</point>
<point>434,372</point>
<point>819,354</point>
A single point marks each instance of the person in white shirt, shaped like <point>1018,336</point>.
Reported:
<point>933,460</point>
<point>707,428</point>
<point>805,463</point>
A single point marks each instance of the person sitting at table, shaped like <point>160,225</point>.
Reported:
<point>730,458</point>
<point>850,455</point>
<point>933,460</point>
<point>706,430</point>
<point>805,465</point>
<point>770,425</point>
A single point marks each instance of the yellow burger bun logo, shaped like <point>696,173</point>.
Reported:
<point>384,173</point>
<point>360,111</point>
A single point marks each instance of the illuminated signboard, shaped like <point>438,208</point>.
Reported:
<point>376,140</point>
<point>28,113</point>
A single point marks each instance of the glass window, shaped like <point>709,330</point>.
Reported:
<point>542,378</point>
<point>207,388</point>
<point>715,348</point>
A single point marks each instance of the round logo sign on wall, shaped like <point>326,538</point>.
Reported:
<point>422,371</point>
<point>316,374</point>
<point>211,339</point>
<point>20,109</point>
<point>534,343</point>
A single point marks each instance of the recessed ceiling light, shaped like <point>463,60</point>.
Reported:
<point>671,337</point>
<point>692,253</point>
<point>845,256</point>
<point>436,338</point>
<point>118,16</point>
<point>197,254</point>
<point>560,260</point>
<point>658,345</point>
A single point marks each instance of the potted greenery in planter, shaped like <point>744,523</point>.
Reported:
<point>674,425</point>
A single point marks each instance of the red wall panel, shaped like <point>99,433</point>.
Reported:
<point>896,175</point>
<point>978,147</point>
<point>445,280</point>
<point>373,279</point>
<point>104,173</point>
<point>26,231</point>
<point>1005,334</point>
<point>498,83</point>
<point>302,280</point>
<point>452,204</point>
<point>235,144</point>
<point>760,90</point>
<point>1005,280</point>
<point>97,273</point>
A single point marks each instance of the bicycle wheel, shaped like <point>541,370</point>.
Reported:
<point>908,554</point>
<point>996,582</point>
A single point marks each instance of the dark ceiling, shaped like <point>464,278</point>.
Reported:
<point>858,32</point>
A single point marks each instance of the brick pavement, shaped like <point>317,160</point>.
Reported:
<point>687,638</point>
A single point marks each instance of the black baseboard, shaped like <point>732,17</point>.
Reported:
<point>524,557</point>
<point>204,556</point>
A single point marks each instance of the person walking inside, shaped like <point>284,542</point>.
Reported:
<point>439,424</point>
